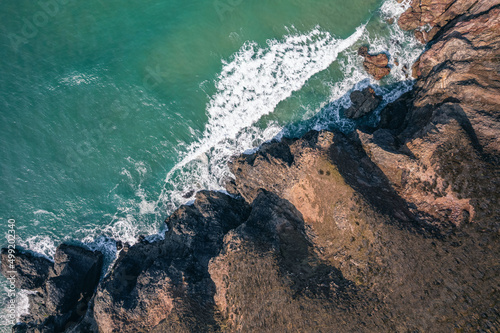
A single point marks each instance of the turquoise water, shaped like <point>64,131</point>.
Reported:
<point>112,111</point>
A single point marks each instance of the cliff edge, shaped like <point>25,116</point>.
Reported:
<point>392,229</point>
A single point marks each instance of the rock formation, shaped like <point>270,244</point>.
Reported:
<point>31,271</point>
<point>390,230</point>
<point>428,17</point>
<point>363,102</point>
<point>376,65</point>
<point>62,288</point>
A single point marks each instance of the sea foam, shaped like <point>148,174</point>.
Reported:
<point>251,84</point>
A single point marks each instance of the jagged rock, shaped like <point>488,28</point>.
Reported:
<point>165,285</point>
<point>63,291</point>
<point>376,65</point>
<point>268,266</point>
<point>363,102</point>
<point>436,14</point>
<point>74,277</point>
<point>31,271</point>
<point>461,67</point>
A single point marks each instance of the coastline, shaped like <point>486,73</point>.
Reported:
<point>388,228</point>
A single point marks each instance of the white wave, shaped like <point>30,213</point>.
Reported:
<point>393,9</point>
<point>403,50</point>
<point>249,87</point>
<point>23,304</point>
<point>43,245</point>
<point>252,84</point>
<point>75,79</point>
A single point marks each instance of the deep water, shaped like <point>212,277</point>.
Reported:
<point>112,111</point>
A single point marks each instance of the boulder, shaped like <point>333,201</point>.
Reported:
<point>363,102</point>
<point>375,65</point>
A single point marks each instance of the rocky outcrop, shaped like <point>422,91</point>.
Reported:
<point>30,271</point>
<point>461,70</point>
<point>62,288</point>
<point>165,286</point>
<point>428,17</point>
<point>363,102</point>
<point>424,183</point>
<point>376,65</point>
<point>359,220</point>
<point>392,229</point>
<point>268,276</point>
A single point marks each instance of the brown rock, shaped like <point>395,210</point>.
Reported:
<point>470,49</point>
<point>376,65</point>
<point>437,13</point>
<point>268,275</point>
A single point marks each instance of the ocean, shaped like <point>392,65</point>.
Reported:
<point>114,112</point>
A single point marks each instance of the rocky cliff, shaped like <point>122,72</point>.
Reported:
<point>392,229</point>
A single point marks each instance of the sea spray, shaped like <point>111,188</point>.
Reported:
<point>250,86</point>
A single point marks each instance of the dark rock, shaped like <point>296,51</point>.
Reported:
<point>376,65</point>
<point>188,194</point>
<point>394,114</point>
<point>31,270</point>
<point>75,276</point>
<point>63,296</point>
<point>165,286</point>
<point>363,102</point>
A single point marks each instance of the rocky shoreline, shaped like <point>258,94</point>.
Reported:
<point>394,228</point>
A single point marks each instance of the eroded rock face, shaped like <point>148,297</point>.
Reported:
<point>430,16</point>
<point>165,286</point>
<point>462,68</point>
<point>451,122</point>
<point>376,65</point>
<point>63,287</point>
<point>31,271</point>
